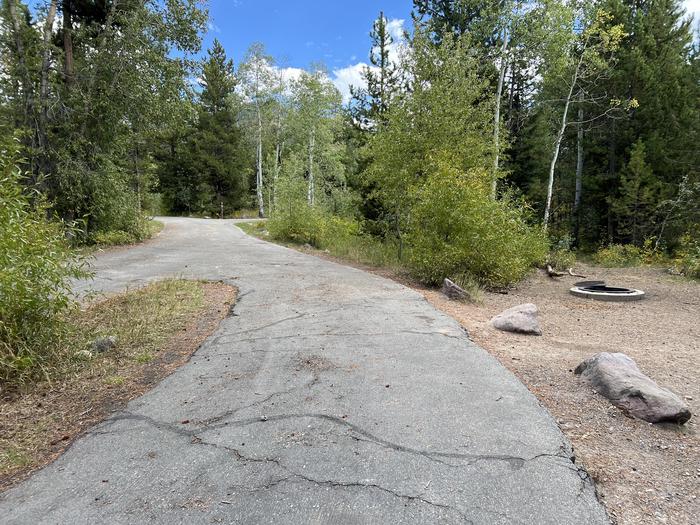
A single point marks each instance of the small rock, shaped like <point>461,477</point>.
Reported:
<point>521,319</point>
<point>454,291</point>
<point>102,344</point>
<point>617,377</point>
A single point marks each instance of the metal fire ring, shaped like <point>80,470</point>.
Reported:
<point>600,291</point>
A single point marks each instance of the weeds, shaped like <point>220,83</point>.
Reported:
<point>143,321</point>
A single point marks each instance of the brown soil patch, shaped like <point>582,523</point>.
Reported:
<point>51,417</point>
<point>644,473</point>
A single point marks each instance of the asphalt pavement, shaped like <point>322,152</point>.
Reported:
<point>330,395</point>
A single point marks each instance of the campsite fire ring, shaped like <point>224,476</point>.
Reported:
<point>599,291</point>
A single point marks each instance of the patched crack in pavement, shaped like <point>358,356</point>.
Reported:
<point>328,396</point>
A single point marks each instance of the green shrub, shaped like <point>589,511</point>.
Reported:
<point>294,220</point>
<point>114,238</point>
<point>456,228</point>
<point>619,255</point>
<point>244,213</point>
<point>153,204</point>
<point>561,258</point>
<point>687,260</point>
<point>36,265</point>
<point>101,195</point>
<point>560,255</point>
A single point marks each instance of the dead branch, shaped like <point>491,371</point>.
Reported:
<point>572,274</point>
<point>552,273</point>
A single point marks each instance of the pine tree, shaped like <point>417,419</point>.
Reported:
<point>217,145</point>
<point>218,82</point>
<point>637,206</point>
<point>381,78</point>
<point>458,17</point>
<point>656,66</point>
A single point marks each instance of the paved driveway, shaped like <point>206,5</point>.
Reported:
<point>330,396</point>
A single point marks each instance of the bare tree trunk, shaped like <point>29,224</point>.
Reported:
<point>259,176</point>
<point>19,45</point>
<point>137,172</point>
<point>397,225</point>
<point>68,65</point>
<point>612,174</point>
<point>312,189</point>
<point>93,79</point>
<point>557,145</point>
<point>276,173</point>
<point>45,63</point>
<point>497,115</point>
<point>579,174</point>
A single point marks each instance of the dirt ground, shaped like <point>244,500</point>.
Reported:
<point>644,473</point>
<point>49,418</point>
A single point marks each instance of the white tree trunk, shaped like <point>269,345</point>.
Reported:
<point>497,114</point>
<point>311,190</point>
<point>579,173</point>
<point>557,145</point>
<point>259,174</point>
<point>45,64</point>
<point>275,176</point>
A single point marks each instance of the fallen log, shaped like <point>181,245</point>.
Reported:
<point>552,273</point>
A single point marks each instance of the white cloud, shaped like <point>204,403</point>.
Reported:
<point>348,76</point>
<point>693,8</point>
<point>211,26</point>
<point>351,75</point>
<point>395,28</point>
<point>290,73</point>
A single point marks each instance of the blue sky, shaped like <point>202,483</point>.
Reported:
<point>299,33</point>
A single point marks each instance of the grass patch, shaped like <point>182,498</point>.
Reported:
<point>352,248</point>
<point>156,329</point>
<point>150,229</point>
<point>256,229</point>
<point>472,287</point>
<point>14,458</point>
<point>143,319</point>
<point>246,213</point>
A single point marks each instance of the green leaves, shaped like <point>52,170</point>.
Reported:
<point>456,228</point>
<point>36,265</point>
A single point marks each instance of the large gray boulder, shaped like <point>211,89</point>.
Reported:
<point>521,319</point>
<point>617,377</point>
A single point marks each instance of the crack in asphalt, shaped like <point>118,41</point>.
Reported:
<point>293,475</point>
<point>222,340</point>
<point>515,462</point>
<point>269,325</point>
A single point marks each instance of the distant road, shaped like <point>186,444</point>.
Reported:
<point>330,396</point>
